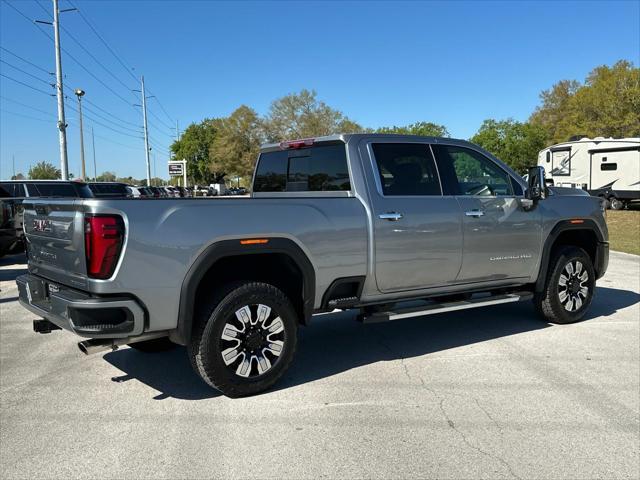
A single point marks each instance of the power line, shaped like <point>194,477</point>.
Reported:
<point>26,116</point>
<point>26,85</point>
<point>103,125</point>
<point>29,20</point>
<point>109,113</point>
<point>128,88</point>
<point>104,42</point>
<point>163,109</point>
<point>106,119</point>
<point>25,105</point>
<point>26,61</point>
<point>27,73</point>
<point>159,121</point>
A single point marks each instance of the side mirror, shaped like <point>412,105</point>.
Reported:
<point>537,188</point>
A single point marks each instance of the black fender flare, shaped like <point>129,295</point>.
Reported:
<point>228,248</point>
<point>601,260</point>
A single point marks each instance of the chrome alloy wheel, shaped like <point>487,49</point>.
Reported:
<point>573,288</point>
<point>252,341</point>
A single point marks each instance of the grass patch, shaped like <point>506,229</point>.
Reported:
<point>624,230</point>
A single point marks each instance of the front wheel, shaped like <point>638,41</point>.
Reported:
<point>245,339</point>
<point>569,287</point>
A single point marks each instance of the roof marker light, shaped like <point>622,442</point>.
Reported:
<point>254,241</point>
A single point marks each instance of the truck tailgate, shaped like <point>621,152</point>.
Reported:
<point>54,229</point>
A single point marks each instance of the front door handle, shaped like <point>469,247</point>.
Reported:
<point>391,216</point>
<point>474,213</point>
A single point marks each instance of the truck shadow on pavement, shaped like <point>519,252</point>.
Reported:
<point>335,343</point>
<point>18,267</point>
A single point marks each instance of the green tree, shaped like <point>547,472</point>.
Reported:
<point>302,115</point>
<point>194,145</point>
<point>237,143</point>
<point>515,143</point>
<point>44,171</point>
<point>106,177</point>
<point>425,129</point>
<point>607,104</point>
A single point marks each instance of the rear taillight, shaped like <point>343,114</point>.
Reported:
<point>103,238</point>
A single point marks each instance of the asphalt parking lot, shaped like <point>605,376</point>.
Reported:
<point>491,393</point>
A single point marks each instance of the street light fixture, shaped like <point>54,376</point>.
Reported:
<point>80,93</point>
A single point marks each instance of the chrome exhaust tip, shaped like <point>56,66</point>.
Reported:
<point>96,345</point>
<point>89,347</point>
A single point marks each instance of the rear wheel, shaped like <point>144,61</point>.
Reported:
<point>245,339</point>
<point>616,203</point>
<point>569,287</point>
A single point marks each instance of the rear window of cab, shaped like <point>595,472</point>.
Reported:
<point>321,168</point>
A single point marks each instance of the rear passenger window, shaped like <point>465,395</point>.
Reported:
<point>406,169</point>
<point>316,169</point>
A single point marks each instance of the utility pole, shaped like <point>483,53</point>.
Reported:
<point>146,132</point>
<point>13,163</point>
<point>79,93</point>
<point>93,144</point>
<point>62,126</point>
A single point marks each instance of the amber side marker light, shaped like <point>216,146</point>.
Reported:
<point>576,221</point>
<point>254,241</point>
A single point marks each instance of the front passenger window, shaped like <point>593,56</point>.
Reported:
<point>467,172</point>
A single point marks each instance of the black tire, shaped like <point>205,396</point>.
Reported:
<point>570,307</point>
<point>153,346</point>
<point>207,343</point>
<point>616,203</point>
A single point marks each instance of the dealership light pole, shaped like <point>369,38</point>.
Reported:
<point>79,93</point>
<point>93,144</point>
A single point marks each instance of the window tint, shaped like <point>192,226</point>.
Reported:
<point>11,189</point>
<point>317,169</point>
<point>609,166</point>
<point>467,172</point>
<point>108,189</point>
<point>53,190</point>
<point>406,169</point>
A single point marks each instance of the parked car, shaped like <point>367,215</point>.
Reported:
<point>14,192</point>
<point>398,218</point>
<point>9,239</point>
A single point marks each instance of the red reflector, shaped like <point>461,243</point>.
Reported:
<point>103,237</point>
<point>305,142</point>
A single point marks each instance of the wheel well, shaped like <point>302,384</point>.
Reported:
<point>277,269</point>
<point>585,239</point>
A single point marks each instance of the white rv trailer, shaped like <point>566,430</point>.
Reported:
<point>605,167</point>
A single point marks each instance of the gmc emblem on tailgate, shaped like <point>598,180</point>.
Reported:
<point>40,225</point>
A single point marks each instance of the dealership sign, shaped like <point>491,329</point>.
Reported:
<point>176,169</point>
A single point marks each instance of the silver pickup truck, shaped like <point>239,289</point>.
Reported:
<point>360,221</point>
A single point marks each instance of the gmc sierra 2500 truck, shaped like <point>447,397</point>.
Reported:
<point>358,221</point>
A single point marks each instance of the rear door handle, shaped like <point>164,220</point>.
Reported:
<point>391,216</point>
<point>474,213</point>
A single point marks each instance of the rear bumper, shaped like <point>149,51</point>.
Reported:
<point>602,259</point>
<point>76,311</point>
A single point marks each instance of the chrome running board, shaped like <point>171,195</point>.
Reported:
<point>432,309</point>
